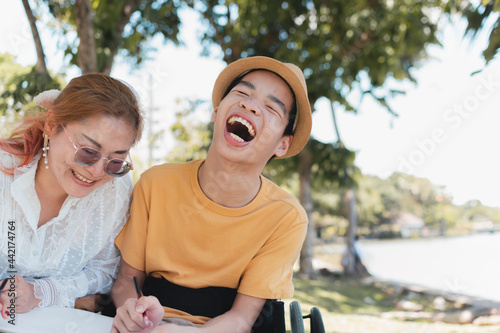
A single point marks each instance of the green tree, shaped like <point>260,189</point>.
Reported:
<point>92,33</point>
<point>19,84</point>
<point>347,50</point>
<point>370,207</point>
<point>20,89</point>
<point>193,138</point>
<point>105,28</point>
<point>477,14</point>
<point>9,69</point>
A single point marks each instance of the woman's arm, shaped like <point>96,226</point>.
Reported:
<point>97,276</point>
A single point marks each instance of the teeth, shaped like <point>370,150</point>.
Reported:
<point>237,138</point>
<point>81,177</point>
<point>242,121</point>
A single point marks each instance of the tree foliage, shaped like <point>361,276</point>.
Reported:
<point>340,45</point>
<point>192,137</point>
<point>19,84</point>
<point>477,14</point>
<point>92,33</point>
<point>333,166</point>
<point>124,26</point>
<point>380,200</point>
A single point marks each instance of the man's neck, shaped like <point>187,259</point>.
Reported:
<point>228,184</point>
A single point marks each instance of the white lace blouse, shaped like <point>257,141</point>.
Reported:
<point>73,254</point>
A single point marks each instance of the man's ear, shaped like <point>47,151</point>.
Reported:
<point>214,114</point>
<point>285,143</point>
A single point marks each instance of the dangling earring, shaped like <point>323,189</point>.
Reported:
<point>45,149</point>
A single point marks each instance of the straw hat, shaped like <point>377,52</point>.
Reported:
<point>288,72</point>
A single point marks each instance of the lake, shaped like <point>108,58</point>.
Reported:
<point>465,265</point>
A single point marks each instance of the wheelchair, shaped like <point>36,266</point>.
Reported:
<point>297,322</point>
<point>272,319</point>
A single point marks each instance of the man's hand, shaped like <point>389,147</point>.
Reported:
<point>129,317</point>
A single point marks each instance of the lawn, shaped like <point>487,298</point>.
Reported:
<point>350,305</point>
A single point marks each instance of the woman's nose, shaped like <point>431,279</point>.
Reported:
<point>98,169</point>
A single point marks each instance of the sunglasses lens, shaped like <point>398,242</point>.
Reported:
<point>117,167</point>
<point>87,156</point>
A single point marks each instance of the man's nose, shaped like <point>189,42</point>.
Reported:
<point>251,105</point>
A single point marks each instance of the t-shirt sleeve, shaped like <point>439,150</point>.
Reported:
<point>269,274</point>
<point>132,239</point>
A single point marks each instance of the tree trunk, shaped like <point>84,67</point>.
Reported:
<point>87,56</point>
<point>352,263</point>
<point>306,270</point>
<point>41,66</point>
<point>130,7</point>
<point>349,262</point>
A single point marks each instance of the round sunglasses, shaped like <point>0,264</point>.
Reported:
<point>87,156</point>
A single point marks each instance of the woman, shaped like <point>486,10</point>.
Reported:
<point>63,199</point>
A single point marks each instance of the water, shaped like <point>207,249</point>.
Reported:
<point>465,265</point>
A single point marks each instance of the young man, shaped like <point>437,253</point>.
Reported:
<point>212,240</point>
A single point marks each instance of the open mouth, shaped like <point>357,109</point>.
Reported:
<point>240,129</point>
<point>80,177</point>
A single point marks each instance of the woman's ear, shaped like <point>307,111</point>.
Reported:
<point>49,127</point>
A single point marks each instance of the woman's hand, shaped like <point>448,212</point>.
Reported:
<point>23,295</point>
<point>129,317</point>
<point>4,303</point>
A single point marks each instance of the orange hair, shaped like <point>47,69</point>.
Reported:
<point>85,96</point>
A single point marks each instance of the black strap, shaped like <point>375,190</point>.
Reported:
<point>207,302</point>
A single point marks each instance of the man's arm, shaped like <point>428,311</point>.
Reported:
<point>124,288</point>
<point>239,319</point>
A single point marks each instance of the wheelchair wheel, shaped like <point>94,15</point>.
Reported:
<point>296,319</point>
<point>317,325</point>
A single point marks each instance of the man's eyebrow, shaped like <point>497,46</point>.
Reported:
<point>279,102</point>
<point>248,84</point>
<point>271,97</point>
<point>98,145</point>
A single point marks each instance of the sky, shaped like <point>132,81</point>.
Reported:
<point>447,129</point>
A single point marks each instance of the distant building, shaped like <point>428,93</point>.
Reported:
<point>407,223</point>
<point>483,225</point>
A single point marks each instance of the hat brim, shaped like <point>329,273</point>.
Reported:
<point>289,73</point>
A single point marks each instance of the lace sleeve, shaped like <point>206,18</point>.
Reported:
<point>96,277</point>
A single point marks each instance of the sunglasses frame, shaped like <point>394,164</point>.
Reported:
<point>101,157</point>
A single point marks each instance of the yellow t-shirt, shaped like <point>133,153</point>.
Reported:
<point>176,232</point>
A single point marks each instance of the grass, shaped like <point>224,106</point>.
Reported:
<point>349,305</point>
